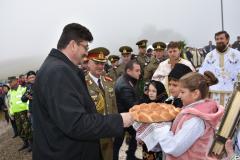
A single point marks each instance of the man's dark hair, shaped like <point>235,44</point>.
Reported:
<point>173,45</point>
<point>29,73</point>
<point>76,32</point>
<point>133,57</point>
<point>21,75</point>
<point>222,32</point>
<point>5,85</point>
<point>149,50</point>
<point>130,65</point>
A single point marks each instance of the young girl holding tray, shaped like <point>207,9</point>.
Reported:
<point>191,132</point>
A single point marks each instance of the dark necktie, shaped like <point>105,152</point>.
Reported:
<point>100,86</point>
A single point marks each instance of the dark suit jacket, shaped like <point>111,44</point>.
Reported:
<point>126,94</point>
<point>209,48</point>
<point>66,124</point>
<point>236,45</point>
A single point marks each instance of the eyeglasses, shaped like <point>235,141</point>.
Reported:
<point>84,46</point>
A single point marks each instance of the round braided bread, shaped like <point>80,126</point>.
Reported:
<point>154,112</point>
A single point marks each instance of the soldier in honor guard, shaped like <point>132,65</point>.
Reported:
<point>125,57</point>
<point>158,57</point>
<point>101,90</point>
<point>114,59</point>
<point>143,60</point>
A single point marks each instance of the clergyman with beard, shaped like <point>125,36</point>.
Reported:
<point>224,62</point>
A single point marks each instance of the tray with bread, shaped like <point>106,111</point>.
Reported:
<point>154,112</point>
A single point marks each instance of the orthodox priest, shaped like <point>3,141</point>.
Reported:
<point>224,62</point>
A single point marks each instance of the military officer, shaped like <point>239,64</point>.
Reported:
<point>142,58</point>
<point>101,90</point>
<point>114,59</point>
<point>158,57</point>
<point>125,57</point>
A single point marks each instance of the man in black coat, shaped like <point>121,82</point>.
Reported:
<point>236,44</point>
<point>66,123</point>
<point>27,97</point>
<point>127,97</point>
<point>209,48</point>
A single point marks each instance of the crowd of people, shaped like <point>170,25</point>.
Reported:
<point>16,103</point>
<point>77,104</point>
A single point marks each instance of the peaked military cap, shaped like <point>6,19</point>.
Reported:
<point>125,50</point>
<point>113,58</point>
<point>159,46</point>
<point>142,43</point>
<point>98,54</point>
<point>178,71</point>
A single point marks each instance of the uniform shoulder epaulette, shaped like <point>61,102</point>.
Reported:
<point>108,78</point>
<point>88,80</point>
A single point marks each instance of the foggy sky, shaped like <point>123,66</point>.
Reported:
<point>29,28</point>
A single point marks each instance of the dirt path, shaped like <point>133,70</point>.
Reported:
<point>9,146</point>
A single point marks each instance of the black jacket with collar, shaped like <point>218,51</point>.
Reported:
<point>126,94</point>
<point>66,123</point>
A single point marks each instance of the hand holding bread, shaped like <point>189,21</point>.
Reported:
<point>127,119</point>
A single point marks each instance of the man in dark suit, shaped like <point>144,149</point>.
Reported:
<point>236,44</point>
<point>66,123</point>
<point>209,47</point>
<point>127,97</point>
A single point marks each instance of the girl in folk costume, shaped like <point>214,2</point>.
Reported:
<point>156,92</point>
<point>193,128</point>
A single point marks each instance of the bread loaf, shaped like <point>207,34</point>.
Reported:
<point>154,112</point>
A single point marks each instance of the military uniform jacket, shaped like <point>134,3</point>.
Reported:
<point>120,70</point>
<point>105,102</point>
<point>113,73</point>
<point>143,60</point>
<point>66,123</point>
<point>150,69</point>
